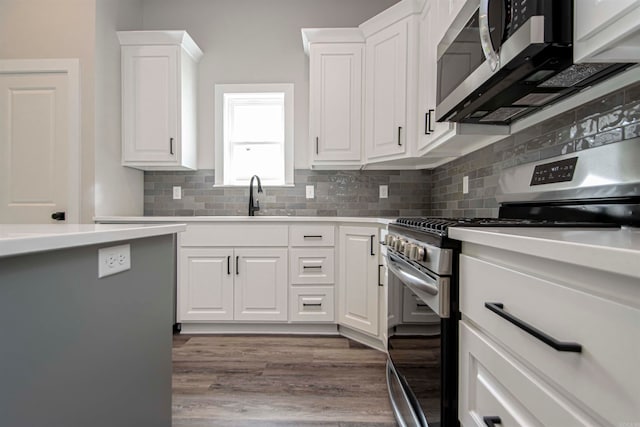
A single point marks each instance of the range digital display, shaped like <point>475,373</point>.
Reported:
<point>559,171</point>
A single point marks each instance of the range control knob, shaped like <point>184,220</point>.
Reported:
<point>400,244</point>
<point>417,253</point>
<point>389,239</point>
<point>408,248</point>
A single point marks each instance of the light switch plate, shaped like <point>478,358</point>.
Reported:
<point>177,193</point>
<point>384,191</point>
<point>465,184</point>
<point>113,260</point>
<point>310,192</point>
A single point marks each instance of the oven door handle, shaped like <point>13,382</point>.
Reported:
<point>396,268</point>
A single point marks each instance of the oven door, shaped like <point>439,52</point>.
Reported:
<point>414,370</point>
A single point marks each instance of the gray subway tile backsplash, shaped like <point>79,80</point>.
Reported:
<point>437,192</point>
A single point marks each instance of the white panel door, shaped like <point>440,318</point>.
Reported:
<point>150,103</point>
<point>34,146</point>
<point>386,91</point>
<point>261,284</point>
<point>358,286</point>
<point>205,277</point>
<point>336,101</point>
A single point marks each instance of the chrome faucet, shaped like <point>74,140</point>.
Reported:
<point>253,208</point>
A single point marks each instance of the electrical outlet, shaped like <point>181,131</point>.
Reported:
<point>384,191</point>
<point>113,260</point>
<point>465,185</point>
<point>177,193</point>
<point>310,192</point>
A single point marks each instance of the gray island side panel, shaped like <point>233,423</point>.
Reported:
<point>81,351</point>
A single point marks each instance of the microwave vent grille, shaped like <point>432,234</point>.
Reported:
<point>574,75</point>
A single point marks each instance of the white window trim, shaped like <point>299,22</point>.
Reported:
<point>220,90</point>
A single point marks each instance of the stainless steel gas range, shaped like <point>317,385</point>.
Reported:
<point>595,188</point>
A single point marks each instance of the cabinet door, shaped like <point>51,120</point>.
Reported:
<point>150,103</point>
<point>428,129</point>
<point>606,31</point>
<point>261,284</point>
<point>386,91</point>
<point>205,284</point>
<point>335,111</point>
<point>358,286</point>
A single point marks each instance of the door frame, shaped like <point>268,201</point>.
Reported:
<point>70,67</point>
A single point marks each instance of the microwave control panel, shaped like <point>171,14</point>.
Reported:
<point>559,171</point>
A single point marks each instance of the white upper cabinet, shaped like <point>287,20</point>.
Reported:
<point>607,31</point>
<point>335,98</point>
<point>390,59</point>
<point>159,76</point>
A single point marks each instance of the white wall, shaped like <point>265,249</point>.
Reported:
<point>118,189</point>
<point>58,29</point>
<point>254,41</point>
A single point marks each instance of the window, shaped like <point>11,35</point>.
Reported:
<point>254,134</point>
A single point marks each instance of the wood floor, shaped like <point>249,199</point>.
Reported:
<point>275,381</point>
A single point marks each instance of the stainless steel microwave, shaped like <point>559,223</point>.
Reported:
<point>505,59</point>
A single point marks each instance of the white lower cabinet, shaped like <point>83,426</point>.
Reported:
<point>205,290</point>
<point>311,304</point>
<point>538,346</point>
<point>217,284</point>
<point>260,290</point>
<point>358,284</point>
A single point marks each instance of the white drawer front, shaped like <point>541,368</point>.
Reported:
<point>311,235</point>
<point>311,304</point>
<point>311,266</point>
<point>235,235</point>
<point>492,384</point>
<point>603,376</point>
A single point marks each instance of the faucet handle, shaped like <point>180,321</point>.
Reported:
<point>257,208</point>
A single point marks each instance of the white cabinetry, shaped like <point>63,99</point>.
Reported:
<point>159,76</point>
<point>335,98</point>
<point>217,282</point>
<point>509,372</point>
<point>311,273</point>
<point>389,88</point>
<point>358,284</point>
<point>607,31</point>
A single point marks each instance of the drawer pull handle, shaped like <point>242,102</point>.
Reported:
<point>229,265</point>
<point>311,266</point>
<point>304,304</point>
<point>491,421</point>
<point>237,269</point>
<point>422,305</point>
<point>498,308</point>
<point>312,236</point>
<point>373,236</point>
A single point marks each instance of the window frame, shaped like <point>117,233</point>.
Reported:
<point>219,144</point>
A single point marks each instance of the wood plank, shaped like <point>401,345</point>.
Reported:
<point>251,380</point>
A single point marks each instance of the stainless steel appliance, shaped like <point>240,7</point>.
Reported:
<point>595,188</point>
<point>504,59</point>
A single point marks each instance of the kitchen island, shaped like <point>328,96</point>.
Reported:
<point>80,350</point>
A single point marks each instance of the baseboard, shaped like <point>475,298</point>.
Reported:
<point>259,328</point>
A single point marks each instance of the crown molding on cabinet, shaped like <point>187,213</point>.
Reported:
<point>178,38</point>
<point>390,16</point>
<point>330,35</point>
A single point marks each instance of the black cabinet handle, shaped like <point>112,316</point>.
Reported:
<point>311,266</point>
<point>379,275</point>
<point>229,264</point>
<point>427,119</point>
<point>237,269</point>
<point>399,131</point>
<point>431,111</point>
<point>491,421</point>
<point>373,236</point>
<point>317,145</point>
<point>498,308</point>
<point>170,145</point>
<point>304,304</point>
<point>421,305</point>
<point>312,237</point>
<point>59,216</point>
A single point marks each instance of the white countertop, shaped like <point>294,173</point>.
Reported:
<point>608,249</point>
<point>183,219</point>
<point>17,239</point>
